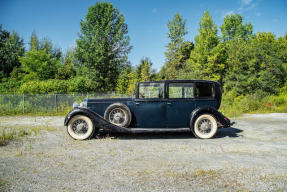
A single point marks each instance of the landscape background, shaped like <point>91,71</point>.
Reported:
<point>251,66</point>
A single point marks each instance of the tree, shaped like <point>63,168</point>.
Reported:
<point>199,65</point>
<point>146,71</point>
<point>11,47</point>
<point>124,81</point>
<point>234,28</point>
<point>177,31</point>
<point>39,65</point>
<point>41,62</point>
<point>44,44</point>
<point>255,65</point>
<point>103,45</point>
<point>34,42</point>
<point>67,69</point>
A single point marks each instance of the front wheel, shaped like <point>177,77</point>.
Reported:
<point>80,127</point>
<point>205,126</point>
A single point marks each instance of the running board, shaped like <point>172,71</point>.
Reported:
<point>156,130</point>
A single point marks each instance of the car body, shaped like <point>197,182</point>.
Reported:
<point>159,105</point>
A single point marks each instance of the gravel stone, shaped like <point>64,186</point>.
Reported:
<point>250,156</point>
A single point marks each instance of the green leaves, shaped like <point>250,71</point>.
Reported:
<point>11,46</point>
<point>233,28</point>
<point>103,45</point>
<point>39,65</point>
<point>177,49</point>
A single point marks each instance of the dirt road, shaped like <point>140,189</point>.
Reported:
<point>251,156</point>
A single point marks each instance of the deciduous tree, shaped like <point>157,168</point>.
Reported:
<point>103,45</point>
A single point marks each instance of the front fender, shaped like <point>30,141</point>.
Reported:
<point>99,121</point>
<point>79,111</point>
<point>224,121</point>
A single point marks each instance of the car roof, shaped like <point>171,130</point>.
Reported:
<point>182,81</point>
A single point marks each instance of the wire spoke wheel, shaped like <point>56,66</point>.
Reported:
<point>80,127</point>
<point>205,126</point>
<point>118,117</point>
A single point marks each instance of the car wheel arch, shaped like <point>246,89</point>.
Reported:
<point>80,112</point>
<point>199,111</point>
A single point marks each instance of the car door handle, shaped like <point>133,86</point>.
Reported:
<point>168,103</point>
<point>137,103</point>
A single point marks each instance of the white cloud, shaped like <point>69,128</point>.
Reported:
<point>230,12</point>
<point>248,5</point>
<point>246,2</point>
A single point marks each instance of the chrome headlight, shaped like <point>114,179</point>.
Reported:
<point>83,104</point>
<point>75,105</point>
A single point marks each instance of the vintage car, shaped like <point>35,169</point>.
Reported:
<point>171,105</point>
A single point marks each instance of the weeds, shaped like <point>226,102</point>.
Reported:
<point>8,134</point>
<point>233,106</point>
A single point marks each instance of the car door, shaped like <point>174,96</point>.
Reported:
<point>150,105</point>
<point>180,104</point>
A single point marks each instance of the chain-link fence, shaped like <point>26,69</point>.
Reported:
<point>44,103</point>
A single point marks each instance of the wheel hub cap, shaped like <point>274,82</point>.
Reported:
<point>80,127</point>
<point>205,126</point>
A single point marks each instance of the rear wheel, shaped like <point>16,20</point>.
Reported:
<point>205,126</point>
<point>80,127</point>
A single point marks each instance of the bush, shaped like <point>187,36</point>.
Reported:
<point>233,105</point>
<point>9,87</point>
<point>49,86</point>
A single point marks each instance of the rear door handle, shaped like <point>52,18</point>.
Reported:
<point>168,103</point>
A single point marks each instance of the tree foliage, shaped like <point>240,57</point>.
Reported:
<point>176,48</point>
<point>11,47</point>
<point>41,62</point>
<point>103,45</point>
<point>204,62</point>
<point>233,28</point>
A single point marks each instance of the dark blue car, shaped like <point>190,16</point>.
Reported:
<point>172,105</point>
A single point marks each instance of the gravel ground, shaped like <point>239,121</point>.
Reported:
<point>251,156</point>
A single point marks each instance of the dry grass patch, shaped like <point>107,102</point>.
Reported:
<point>8,134</point>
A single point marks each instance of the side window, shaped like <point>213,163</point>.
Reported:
<point>204,90</point>
<point>180,90</point>
<point>151,90</point>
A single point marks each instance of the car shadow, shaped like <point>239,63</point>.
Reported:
<point>226,132</point>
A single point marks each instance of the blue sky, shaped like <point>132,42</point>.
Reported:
<point>59,20</point>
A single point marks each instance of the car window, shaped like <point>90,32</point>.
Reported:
<point>180,90</point>
<point>151,90</point>
<point>204,90</point>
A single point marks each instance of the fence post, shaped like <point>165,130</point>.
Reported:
<point>56,104</point>
<point>87,95</point>
<point>23,100</point>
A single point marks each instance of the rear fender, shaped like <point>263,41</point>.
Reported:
<point>220,118</point>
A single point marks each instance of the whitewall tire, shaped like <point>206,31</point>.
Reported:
<point>205,126</point>
<point>80,127</point>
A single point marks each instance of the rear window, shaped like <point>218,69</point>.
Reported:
<point>151,90</point>
<point>204,90</point>
<point>180,90</point>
